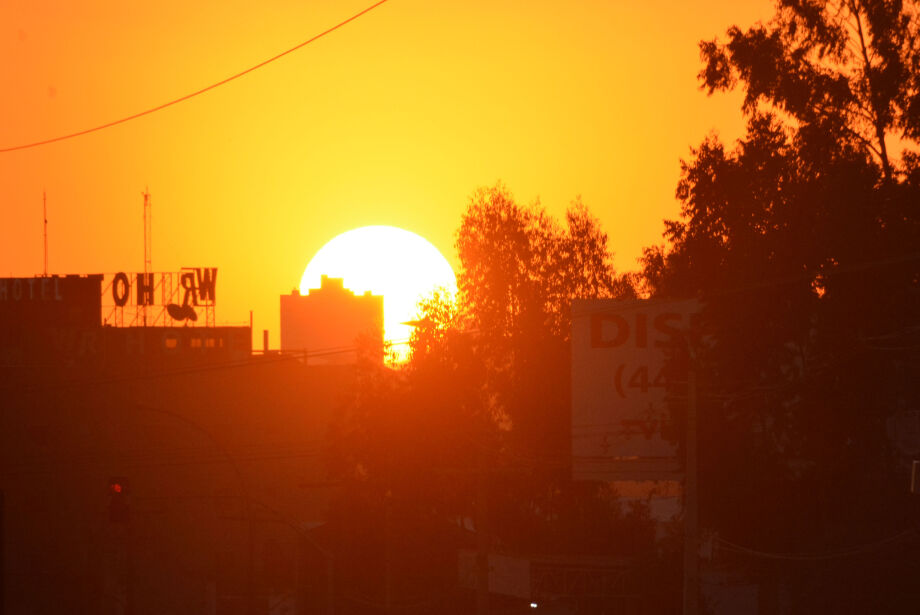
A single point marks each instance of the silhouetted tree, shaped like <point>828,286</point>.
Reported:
<point>519,271</point>
<point>486,388</point>
<point>845,71</point>
<point>802,240</point>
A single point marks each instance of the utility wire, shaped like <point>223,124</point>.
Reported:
<point>86,464</point>
<point>196,92</point>
<point>839,553</point>
<point>253,360</point>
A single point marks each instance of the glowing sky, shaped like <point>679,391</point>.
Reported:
<point>388,261</point>
<point>394,120</point>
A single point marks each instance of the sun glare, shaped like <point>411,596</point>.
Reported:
<point>388,261</point>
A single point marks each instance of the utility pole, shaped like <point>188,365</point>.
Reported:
<point>388,522</point>
<point>130,594</point>
<point>45,229</point>
<point>148,247</point>
<point>330,584</point>
<point>2,555</point>
<point>388,553</point>
<point>691,504</point>
<point>482,539</point>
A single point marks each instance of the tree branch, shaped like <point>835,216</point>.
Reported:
<point>879,128</point>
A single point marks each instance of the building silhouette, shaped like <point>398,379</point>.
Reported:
<point>214,444</point>
<point>331,322</point>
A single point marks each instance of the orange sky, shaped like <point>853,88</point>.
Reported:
<point>394,119</point>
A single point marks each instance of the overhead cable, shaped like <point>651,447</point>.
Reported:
<point>839,553</point>
<point>196,92</point>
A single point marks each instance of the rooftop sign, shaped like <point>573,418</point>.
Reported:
<point>184,297</point>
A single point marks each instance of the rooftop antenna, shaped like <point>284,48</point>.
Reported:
<point>45,228</point>
<point>148,248</point>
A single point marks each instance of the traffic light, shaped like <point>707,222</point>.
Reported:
<point>119,512</point>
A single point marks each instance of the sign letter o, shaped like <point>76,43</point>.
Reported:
<point>120,289</point>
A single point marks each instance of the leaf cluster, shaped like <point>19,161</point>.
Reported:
<point>844,69</point>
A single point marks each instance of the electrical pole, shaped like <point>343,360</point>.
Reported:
<point>130,594</point>
<point>482,539</point>
<point>388,554</point>
<point>2,555</point>
<point>330,584</point>
<point>691,504</point>
<point>148,248</point>
<point>45,229</point>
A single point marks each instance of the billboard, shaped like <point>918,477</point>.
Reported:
<point>621,428</point>
<point>160,299</point>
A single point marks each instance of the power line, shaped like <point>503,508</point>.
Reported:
<point>252,360</point>
<point>84,465</point>
<point>839,553</point>
<point>196,92</point>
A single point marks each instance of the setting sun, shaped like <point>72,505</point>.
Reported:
<point>388,261</point>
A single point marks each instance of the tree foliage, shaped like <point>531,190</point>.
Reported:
<point>802,241</point>
<point>519,271</point>
<point>846,71</point>
<point>485,396</point>
<point>520,268</point>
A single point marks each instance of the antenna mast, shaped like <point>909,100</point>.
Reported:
<point>45,228</point>
<point>148,248</point>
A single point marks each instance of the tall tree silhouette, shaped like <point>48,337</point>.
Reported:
<point>802,240</point>
<point>519,271</point>
<point>487,385</point>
